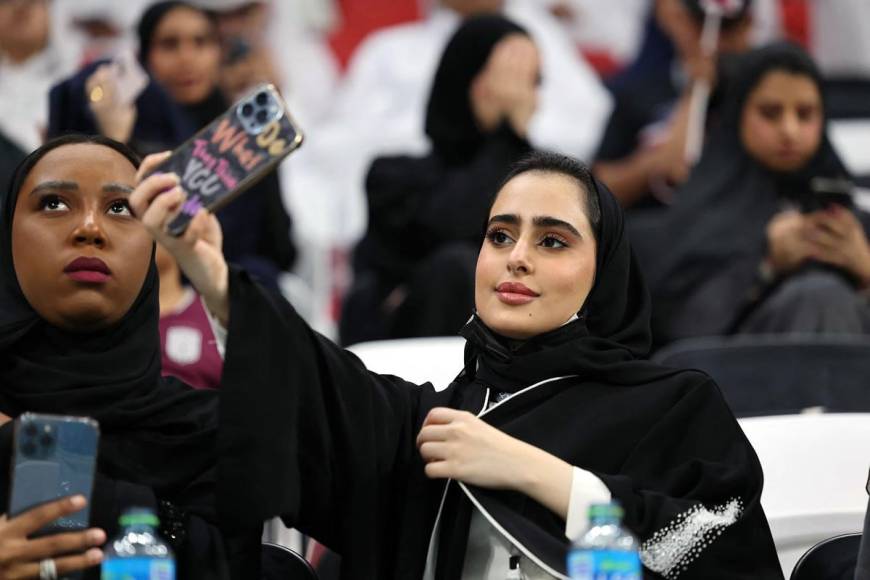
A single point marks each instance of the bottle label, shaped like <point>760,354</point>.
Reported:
<point>138,569</point>
<point>604,565</point>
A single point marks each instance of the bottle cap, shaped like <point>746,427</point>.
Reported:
<point>139,516</point>
<point>606,510</point>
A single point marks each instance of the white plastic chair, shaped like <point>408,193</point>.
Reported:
<point>437,360</point>
<point>815,470</point>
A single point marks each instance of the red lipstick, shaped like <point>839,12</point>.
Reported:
<point>515,294</point>
<point>89,270</point>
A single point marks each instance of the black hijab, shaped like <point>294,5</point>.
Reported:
<point>202,113</point>
<point>154,432</point>
<point>608,340</point>
<point>450,121</point>
<point>720,215</point>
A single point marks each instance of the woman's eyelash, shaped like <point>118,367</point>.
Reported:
<point>494,234</point>
<point>554,238</point>
<point>50,200</point>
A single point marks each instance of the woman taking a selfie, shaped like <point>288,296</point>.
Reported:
<point>79,336</point>
<point>555,408</point>
<point>754,248</point>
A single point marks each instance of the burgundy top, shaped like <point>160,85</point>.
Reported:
<point>188,345</point>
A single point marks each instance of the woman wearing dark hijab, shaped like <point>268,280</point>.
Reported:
<point>414,269</point>
<point>78,336</point>
<point>556,408</point>
<point>744,256</point>
<point>178,47</point>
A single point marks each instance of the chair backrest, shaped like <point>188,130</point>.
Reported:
<point>437,360</point>
<point>815,469</point>
<point>830,559</point>
<point>282,563</point>
<point>769,375</point>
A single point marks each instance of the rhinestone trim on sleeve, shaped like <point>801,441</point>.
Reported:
<point>671,549</point>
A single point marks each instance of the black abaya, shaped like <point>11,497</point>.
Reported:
<point>309,434</point>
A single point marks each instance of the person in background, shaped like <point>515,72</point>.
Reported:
<point>414,270</point>
<point>642,154</point>
<point>178,47</point>
<point>749,249</point>
<point>380,106</point>
<point>189,350</point>
<point>32,58</point>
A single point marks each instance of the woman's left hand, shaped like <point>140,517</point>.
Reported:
<point>156,200</point>
<point>838,239</point>
<point>458,445</point>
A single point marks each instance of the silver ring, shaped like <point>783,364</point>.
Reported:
<point>47,570</point>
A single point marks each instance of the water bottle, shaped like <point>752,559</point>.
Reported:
<point>606,551</point>
<point>138,553</point>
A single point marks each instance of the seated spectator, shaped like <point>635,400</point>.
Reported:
<point>189,348</point>
<point>31,60</point>
<point>642,154</point>
<point>749,250</point>
<point>381,102</point>
<point>178,48</point>
<point>414,270</point>
<point>554,408</point>
<point>79,336</point>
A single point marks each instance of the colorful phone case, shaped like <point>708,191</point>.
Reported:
<point>55,457</point>
<point>232,153</point>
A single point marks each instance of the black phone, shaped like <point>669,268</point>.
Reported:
<point>232,153</point>
<point>825,191</point>
<point>55,457</point>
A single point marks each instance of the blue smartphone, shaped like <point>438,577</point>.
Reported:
<point>55,457</point>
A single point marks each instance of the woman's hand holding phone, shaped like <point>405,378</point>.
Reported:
<point>22,557</point>
<point>156,200</point>
<point>838,239</point>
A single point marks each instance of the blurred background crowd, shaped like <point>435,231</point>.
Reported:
<point>735,133</point>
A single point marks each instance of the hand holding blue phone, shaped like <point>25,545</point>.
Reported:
<point>22,556</point>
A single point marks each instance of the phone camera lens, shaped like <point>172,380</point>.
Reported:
<point>262,98</point>
<point>247,110</point>
<point>46,440</point>
<point>262,116</point>
<point>28,449</point>
<point>30,430</point>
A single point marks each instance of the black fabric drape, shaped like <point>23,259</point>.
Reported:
<point>158,437</point>
<point>309,434</point>
<point>716,230</point>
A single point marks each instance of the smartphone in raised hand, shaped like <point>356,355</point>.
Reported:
<point>232,153</point>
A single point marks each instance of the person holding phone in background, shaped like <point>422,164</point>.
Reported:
<point>742,255</point>
<point>79,336</point>
<point>179,51</point>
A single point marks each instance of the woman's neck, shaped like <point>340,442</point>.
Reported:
<point>172,293</point>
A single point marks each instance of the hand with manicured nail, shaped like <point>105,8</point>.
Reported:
<point>71,551</point>
<point>156,200</point>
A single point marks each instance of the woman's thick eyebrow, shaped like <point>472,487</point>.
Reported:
<point>506,218</point>
<point>551,222</point>
<point>117,188</point>
<point>55,185</point>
